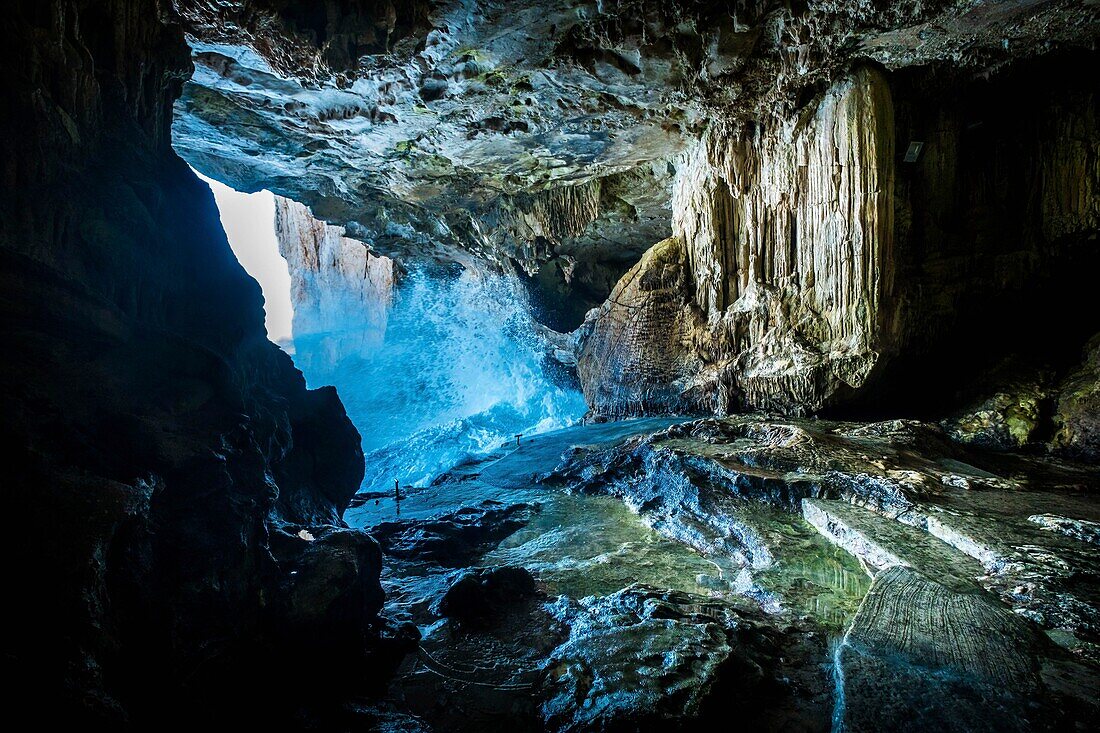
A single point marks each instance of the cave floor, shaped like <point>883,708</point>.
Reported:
<point>828,575</point>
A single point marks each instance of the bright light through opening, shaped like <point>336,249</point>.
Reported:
<point>249,222</point>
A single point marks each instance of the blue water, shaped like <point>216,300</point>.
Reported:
<point>456,372</point>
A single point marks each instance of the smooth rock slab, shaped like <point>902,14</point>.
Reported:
<point>921,657</point>
<point>881,543</point>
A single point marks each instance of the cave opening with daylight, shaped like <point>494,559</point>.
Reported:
<point>552,365</point>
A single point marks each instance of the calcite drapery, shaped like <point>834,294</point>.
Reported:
<point>826,269</point>
<point>786,239</point>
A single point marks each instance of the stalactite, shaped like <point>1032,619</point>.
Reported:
<point>822,264</point>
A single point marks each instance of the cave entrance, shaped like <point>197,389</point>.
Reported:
<point>435,363</point>
<point>249,223</point>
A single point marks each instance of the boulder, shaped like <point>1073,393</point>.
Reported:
<point>1010,418</point>
<point>477,595</point>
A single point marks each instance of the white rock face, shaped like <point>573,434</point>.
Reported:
<point>338,286</point>
<point>789,237</point>
<point>811,264</point>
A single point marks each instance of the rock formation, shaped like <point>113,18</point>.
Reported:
<point>972,556</point>
<point>178,488</point>
<point>451,128</point>
<point>818,264</point>
<point>786,250</point>
<point>1078,411</point>
<point>340,291</point>
<point>827,206</point>
<point>826,263</point>
<point>1011,413</point>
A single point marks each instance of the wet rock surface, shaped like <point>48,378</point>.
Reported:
<point>648,659</point>
<point>596,625</point>
<point>1078,409</point>
<point>1081,529</point>
<point>978,620</point>
<point>897,495</point>
<point>918,655</point>
<point>454,539</point>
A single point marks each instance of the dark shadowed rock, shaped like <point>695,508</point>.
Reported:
<point>1078,412</point>
<point>478,594</point>
<point>1010,418</point>
<point>323,597</point>
<point>454,539</point>
<point>158,440</point>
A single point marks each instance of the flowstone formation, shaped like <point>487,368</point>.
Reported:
<point>813,264</point>
<point>783,250</point>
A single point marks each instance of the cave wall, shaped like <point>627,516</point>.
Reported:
<point>996,222</point>
<point>822,269</point>
<point>175,490</point>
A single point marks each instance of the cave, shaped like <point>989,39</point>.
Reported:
<point>551,365</point>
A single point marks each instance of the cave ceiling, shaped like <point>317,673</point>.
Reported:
<point>433,128</point>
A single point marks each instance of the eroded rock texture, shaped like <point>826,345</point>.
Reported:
<point>444,141</point>
<point>175,491</point>
<point>919,656</point>
<point>786,249</point>
<point>340,291</point>
<point>819,264</point>
<point>536,134</point>
<point>979,561</point>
